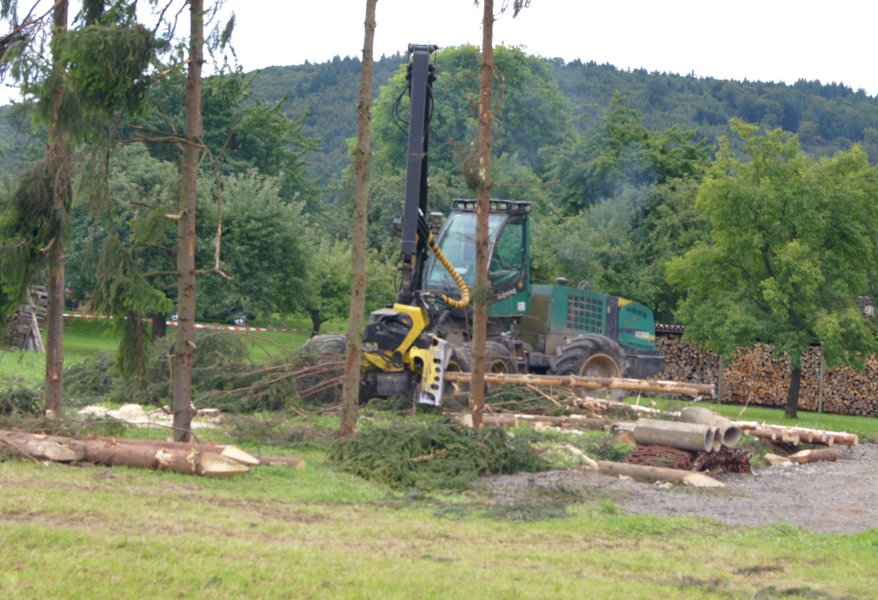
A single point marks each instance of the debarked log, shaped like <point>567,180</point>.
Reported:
<point>647,473</point>
<point>226,450</point>
<point>513,419</point>
<point>590,383</point>
<point>796,435</point>
<point>110,452</point>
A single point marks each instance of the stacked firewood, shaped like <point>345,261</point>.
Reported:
<point>22,328</point>
<point>684,362</point>
<point>758,377</point>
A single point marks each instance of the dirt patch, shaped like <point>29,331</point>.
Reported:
<point>825,497</point>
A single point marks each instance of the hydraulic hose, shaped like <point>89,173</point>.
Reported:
<point>461,284</point>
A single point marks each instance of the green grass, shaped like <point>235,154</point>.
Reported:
<point>85,338</point>
<point>319,533</point>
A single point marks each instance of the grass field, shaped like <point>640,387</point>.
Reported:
<point>318,533</point>
<point>121,533</point>
<point>85,338</point>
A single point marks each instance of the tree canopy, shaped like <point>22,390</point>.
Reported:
<point>792,245</point>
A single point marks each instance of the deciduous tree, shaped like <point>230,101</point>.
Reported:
<point>792,245</point>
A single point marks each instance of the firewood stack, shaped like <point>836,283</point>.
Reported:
<point>22,329</point>
<point>683,362</point>
<point>759,378</point>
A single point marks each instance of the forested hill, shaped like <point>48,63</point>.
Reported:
<point>327,94</point>
<point>826,117</point>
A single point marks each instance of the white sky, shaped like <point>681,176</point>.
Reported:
<point>764,40</point>
<point>757,40</point>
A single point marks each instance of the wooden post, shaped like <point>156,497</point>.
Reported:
<point>719,381</point>
<point>820,373</point>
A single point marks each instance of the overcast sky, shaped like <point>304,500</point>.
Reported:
<point>757,40</point>
<point>764,40</point>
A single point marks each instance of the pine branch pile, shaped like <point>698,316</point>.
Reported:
<point>437,455</point>
<point>223,377</point>
<point>16,399</point>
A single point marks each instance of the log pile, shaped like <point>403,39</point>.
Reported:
<point>213,460</point>
<point>22,328</point>
<point>759,378</point>
<point>684,362</point>
<point>793,436</point>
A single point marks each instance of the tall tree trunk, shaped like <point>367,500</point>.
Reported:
<point>55,330</point>
<point>159,326</point>
<point>362,154</point>
<point>316,321</point>
<point>184,345</point>
<point>793,392</point>
<point>58,155</point>
<point>482,294</point>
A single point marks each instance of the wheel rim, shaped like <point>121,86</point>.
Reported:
<point>600,365</point>
<point>497,365</point>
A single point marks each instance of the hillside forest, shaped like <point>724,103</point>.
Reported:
<point>622,168</point>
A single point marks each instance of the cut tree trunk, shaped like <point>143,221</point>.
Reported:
<point>646,473</point>
<point>590,383</point>
<point>357,308</point>
<point>793,392</point>
<point>161,456</point>
<point>795,435</point>
<point>184,345</point>
<point>816,455</point>
<point>483,181</point>
<point>513,419</point>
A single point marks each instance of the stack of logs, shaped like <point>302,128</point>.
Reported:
<point>214,460</point>
<point>22,328</point>
<point>757,377</point>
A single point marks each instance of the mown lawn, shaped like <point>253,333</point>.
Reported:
<point>83,338</point>
<point>71,532</point>
<point>318,533</point>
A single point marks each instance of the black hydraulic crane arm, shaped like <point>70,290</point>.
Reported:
<point>421,74</point>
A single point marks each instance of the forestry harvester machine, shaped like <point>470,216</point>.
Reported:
<point>546,329</point>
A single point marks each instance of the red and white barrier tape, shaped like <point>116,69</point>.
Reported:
<point>198,325</point>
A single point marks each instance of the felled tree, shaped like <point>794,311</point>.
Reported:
<point>792,244</point>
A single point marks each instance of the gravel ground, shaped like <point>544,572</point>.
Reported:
<point>825,497</point>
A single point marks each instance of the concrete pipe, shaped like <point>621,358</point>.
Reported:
<point>698,414</point>
<point>686,436</point>
<point>728,434</point>
<point>717,438</point>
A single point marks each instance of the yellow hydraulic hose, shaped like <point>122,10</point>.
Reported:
<point>461,284</point>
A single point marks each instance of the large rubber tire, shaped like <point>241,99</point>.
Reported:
<point>319,350</point>
<point>498,358</point>
<point>592,356</point>
<point>326,345</point>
